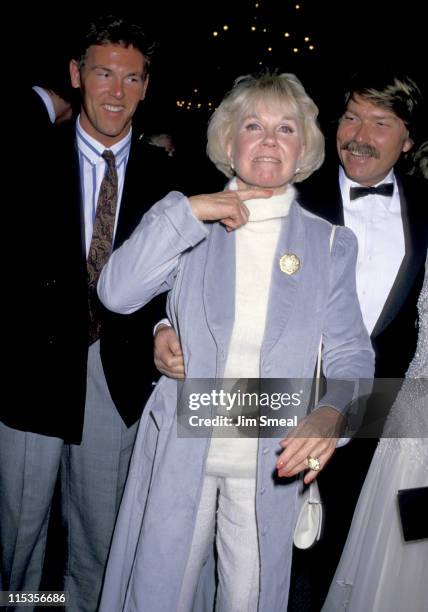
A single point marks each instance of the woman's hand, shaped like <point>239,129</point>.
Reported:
<point>226,206</point>
<point>316,437</point>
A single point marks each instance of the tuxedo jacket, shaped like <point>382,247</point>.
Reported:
<point>395,333</point>
<point>48,358</point>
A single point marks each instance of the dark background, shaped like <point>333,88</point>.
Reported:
<point>346,36</point>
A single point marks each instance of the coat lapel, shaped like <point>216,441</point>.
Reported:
<point>219,282</point>
<point>219,286</point>
<point>283,289</point>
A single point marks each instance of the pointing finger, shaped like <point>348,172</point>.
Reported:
<point>250,194</point>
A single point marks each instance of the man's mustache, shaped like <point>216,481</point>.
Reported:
<point>360,149</point>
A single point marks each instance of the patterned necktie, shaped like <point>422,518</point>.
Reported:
<point>386,189</point>
<point>102,240</point>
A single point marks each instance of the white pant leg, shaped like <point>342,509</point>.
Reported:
<point>29,465</point>
<point>93,479</point>
<point>237,546</point>
<point>202,543</point>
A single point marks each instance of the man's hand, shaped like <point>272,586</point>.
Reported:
<point>167,353</point>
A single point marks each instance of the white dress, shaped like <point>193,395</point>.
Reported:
<point>379,571</point>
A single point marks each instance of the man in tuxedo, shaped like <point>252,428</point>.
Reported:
<point>385,209</point>
<point>389,214</point>
<point>80,375</point>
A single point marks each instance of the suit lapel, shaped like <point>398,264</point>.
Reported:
<point>412,261</point>
<point>69,174</point>
<point>147,180</point>
<point>337,217</point>
<point>320,194</point>
<point>77,196</point>
<point>132,206</point>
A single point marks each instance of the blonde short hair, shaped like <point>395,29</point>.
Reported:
<point>283,89</point>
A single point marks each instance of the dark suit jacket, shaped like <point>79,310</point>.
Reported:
<point>50,330</point>
<point>34,109</point>
<point>395,334</point>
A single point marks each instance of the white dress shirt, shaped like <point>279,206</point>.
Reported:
<point>376,221</point>
<point>92,169</point>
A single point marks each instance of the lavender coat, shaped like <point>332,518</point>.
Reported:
<point>172,251</point>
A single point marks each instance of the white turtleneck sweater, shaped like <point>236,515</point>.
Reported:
<point>256,243</point>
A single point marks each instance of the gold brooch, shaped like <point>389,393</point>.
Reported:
<point>289,263</point>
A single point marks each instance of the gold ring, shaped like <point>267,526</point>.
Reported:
<point>313,463</point>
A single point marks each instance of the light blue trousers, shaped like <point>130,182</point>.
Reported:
<point>92,477</point>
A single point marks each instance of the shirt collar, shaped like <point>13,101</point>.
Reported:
<point>92,149</point>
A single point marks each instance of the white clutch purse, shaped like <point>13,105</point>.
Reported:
<point>310,519</point>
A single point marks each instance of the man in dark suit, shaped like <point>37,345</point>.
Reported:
<point>46,107</point>
<point>81,374</point>
<point>48,102</point>
<point>388,212</point>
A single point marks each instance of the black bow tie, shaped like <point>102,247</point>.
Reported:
<point>386,189</point>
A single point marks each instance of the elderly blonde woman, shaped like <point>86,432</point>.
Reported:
<point>254,283</point>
